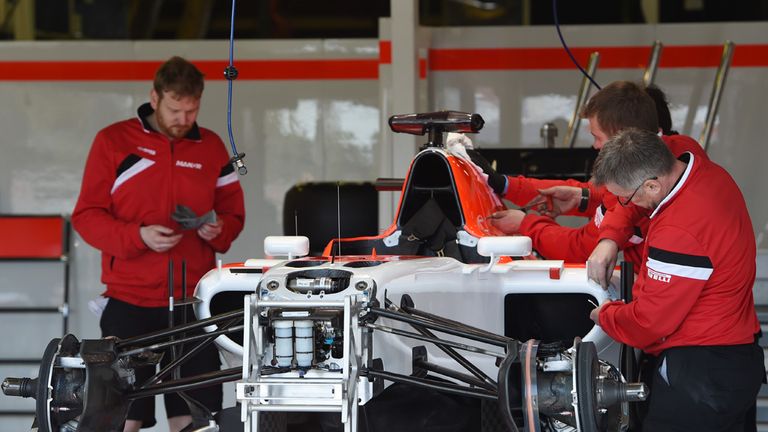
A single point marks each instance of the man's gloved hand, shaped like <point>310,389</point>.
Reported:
<point>458,139</point>
<point>187,218</point>
<point>497,182</point>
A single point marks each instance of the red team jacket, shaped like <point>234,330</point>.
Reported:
<point>695,287</point>
<point>135,176</point>
<point>625,225</point>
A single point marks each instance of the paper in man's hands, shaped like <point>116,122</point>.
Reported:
<point>187,218</point>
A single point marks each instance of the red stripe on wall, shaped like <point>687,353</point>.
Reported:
<point>367,69</point>
<point>385,51</point>
<point>77,70</point>
<point>750,56</point>
<point>213,70</point>
<point>385,57</point>
<point>610,57</point>
<point>499,59</point>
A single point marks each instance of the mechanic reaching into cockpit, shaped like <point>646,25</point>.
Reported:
<point>158,189</point>
<point>617,106</point>
<point>692,303</point>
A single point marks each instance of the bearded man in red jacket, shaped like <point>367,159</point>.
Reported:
<point>139,172</point>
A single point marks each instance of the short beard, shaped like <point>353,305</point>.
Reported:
<point>171,132</point>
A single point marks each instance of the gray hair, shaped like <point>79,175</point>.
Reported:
<point>631,157</point>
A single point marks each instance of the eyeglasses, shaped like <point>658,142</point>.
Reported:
<point>629,200</point>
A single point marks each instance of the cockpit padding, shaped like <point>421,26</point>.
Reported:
<point>430,216</point>
<point>431,178</point>
<point>431,229</point>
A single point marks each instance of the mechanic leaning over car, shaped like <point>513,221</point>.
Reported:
<point>146,181</point>
<point>617,106</point>
<point>692,302</point>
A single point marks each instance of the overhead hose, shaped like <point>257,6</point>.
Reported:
<point>567,50</point>
<point>230,73</point>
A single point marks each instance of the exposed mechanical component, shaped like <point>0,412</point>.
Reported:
<point>321,341</point>
<point>87,386</point>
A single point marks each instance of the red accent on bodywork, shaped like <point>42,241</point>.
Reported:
<point>554,273</point>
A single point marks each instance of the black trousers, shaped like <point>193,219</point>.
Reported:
<point>126,320</point>
<point>705,388</point>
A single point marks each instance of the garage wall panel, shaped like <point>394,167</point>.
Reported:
<point>521,78</point>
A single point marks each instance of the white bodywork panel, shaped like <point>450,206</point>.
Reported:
<point>438,285</point>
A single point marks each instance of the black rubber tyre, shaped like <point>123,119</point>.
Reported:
<point>315,207</point>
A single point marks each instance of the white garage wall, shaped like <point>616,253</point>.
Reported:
<point>516,102</point>
<point>329,129</point>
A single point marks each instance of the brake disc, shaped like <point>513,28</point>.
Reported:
<point>45,387</point>
<point>59,388</point>
<point>586,369</point>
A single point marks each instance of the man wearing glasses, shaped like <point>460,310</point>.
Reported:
<point>626,201</point>
<point>692,302</point>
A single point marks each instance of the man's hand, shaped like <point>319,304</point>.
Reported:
<point>159,238</point>
<point>563,198</point>
<point>508,221</point>
<point>595,314</point>
<point>210,231</point>
<point>601,262</point>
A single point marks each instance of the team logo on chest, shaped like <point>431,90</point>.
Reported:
<point>186,164</point>
<point>661,277</point>
<point>147,150</point>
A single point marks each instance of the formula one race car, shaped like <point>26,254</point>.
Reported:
<point>441,300</point>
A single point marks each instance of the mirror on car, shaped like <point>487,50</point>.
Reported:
<point>290,246</point>
<point>513,246</point>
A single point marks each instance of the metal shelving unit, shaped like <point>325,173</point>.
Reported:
<point>26,239</point>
